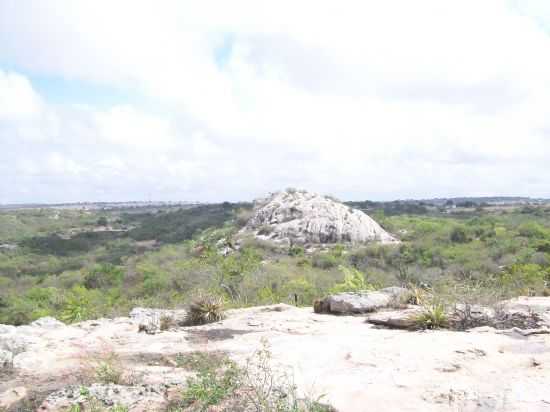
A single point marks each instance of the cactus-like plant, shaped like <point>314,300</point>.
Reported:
<point>205,308</point>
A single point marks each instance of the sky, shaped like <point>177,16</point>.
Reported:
<point>229,100</point>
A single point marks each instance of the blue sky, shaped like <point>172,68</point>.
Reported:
<point>215,101</point>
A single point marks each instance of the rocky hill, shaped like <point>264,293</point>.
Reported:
<point>301,217</point>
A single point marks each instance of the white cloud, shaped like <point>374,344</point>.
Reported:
<point>18,100</point>
<point>360,98</point>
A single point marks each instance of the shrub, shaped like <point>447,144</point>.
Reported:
<point>459,235</point>
<point>210,386</point>
<point>256,387</point>
<point>301,288</point>
<point>433,316</point>
<point>324,261</point>
<point>354,281</point>
<point>104,367</point>
<point>529,279</point>
<point>103,276</point>
<point>269,390</point>
<point>532,230</point>
<point>102,221</point>
<point>205,308</point>
<point>80,304</point>
<point>242,216</point>
<point>37,302</point>
<point>296,251</point>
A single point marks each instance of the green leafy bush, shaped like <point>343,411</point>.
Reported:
<point>103,276</point>
<point>459,235</point>
<point>80,304</point>
<point>354,281</point>
<point>211,385</point>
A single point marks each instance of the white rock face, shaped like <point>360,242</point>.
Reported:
<point>363,302</point>
<point>302,217</point>
<point>352,362</point>
<point>48,323</point>
<point>6,359</point>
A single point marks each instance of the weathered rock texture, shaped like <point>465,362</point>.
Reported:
<point>358,366</point>
<point>362,302</point>
<point>301,217</point>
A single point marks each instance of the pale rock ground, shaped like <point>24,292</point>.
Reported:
<point>358,366</point>
<point>301,217</point>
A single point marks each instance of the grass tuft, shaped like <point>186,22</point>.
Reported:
<point>433,316</point>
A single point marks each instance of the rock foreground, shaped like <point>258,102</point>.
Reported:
<point>358,365</point>
<point>301,217</point>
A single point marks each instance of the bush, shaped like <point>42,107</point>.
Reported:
<point>80,304</point>
<point>354,281</point>
<point>459,235</point>
<point>109,370</point>
<point>102,221</point>
<point>532,230</point>
<point>271,390</point>
<point>433,316</point>
<point>103,276</point>
<point>325,261</point>
<point>205,309</point>
<point>526,279</point>
<point>210,386</point>
<point>296,251</point>
<point>37,302</point>
<point>256,387</point>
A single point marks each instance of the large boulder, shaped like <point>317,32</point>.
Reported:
<point>396,319</point>
<point>301,217</point>
<point>362,302</point>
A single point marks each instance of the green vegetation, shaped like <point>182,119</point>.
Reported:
<point>63,263</point>
<point>205,309</point>
<point>211,385</point>
<point>256,386</point>
<point>109,370</point>
<point>434,316</point>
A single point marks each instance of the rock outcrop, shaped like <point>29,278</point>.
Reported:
<point>152,321</point>
<point>362,302</point>
<point>301,217</point>
<point>354,363</point>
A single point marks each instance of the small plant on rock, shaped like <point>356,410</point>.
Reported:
<point>103,367</point>
<point>109,371</point>
<point>433,316</point>
<point>199,360</point>
<point>212,385</point>
<point>205,309</point>
<point>166,322</point>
